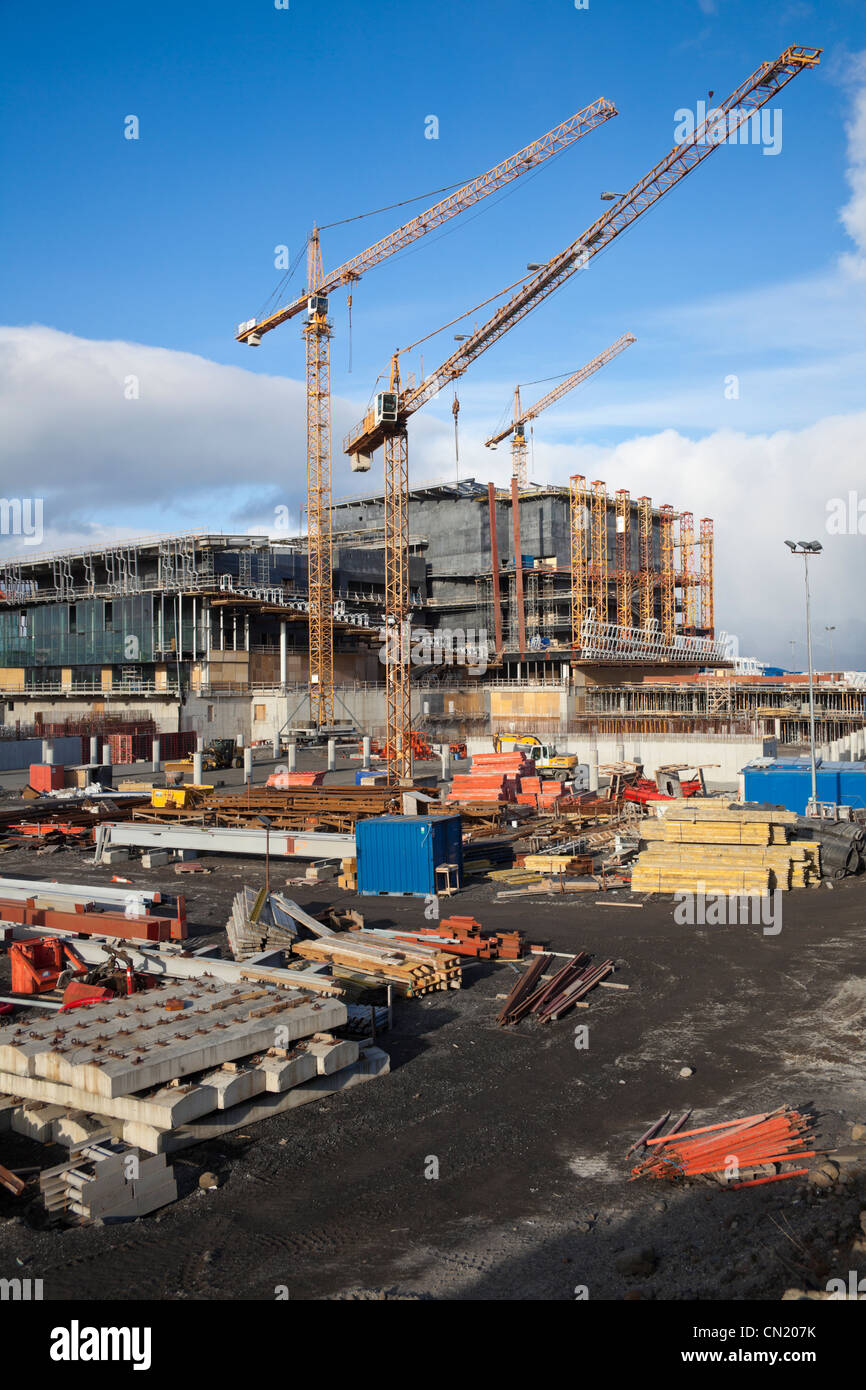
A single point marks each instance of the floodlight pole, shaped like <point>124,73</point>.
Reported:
<point>805,555</point>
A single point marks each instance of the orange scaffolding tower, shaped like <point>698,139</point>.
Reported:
<point>668,572</point>
<point>645,562</point>
<point>598,567</point>
<point>708,618</point>
<point>579,519</point>
<point>687,572</point>
<point>623,558</point>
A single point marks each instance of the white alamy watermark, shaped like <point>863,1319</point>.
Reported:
<point>448,646</point>
<point>702,909</point>
<point>846,516</point>
<point>77,1343</point>
<point>735,127</point>
<point>854,1288</point>
<point>22,516</point>
<point>20,1290</point>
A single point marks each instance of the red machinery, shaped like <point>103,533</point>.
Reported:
<point>46,963</point>
<point>38,964</point>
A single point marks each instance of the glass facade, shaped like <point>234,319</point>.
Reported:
<point>91,632</point>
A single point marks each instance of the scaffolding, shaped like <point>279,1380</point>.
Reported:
<point>603,641</point>
<point>623,558</point>
<point>667,579</point>
<point>645,562</point>
<point>687,572</point>
<point>598,569</point>
<point>578,525</point>
<point>708,620</point>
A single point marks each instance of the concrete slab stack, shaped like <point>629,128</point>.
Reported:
<point>146,1067</point>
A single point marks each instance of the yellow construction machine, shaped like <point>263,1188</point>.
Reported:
<point>544,755</point>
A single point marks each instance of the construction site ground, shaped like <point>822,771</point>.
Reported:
<point>529,1131</point>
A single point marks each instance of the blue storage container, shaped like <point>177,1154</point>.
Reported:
<point>852,784</point>
<point>400,854</point>
<point>788,782</point>
<point>370,778</point>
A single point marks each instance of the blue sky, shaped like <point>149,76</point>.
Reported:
<point>256,121</point>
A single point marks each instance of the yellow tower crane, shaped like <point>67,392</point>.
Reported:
<point>517,428</point>
<point>386,423</point>
<point>317,333</point>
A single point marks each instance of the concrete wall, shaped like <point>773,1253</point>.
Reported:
<point>218,716</point>
<point>163,712</point>
<point>16,753</point>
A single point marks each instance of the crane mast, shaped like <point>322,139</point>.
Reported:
<point>393,409</point>
<point>317,335</point>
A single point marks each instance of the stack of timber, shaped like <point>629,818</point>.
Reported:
<point>722,848</point>
<point>259,922</point>
<point>362,957</point>
<point>292,808</point>
<point>554,863</point>
<point>184,1062</point>
<point>108,1181</point>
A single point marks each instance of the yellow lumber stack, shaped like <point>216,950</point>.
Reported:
<point>708,846</point>
<point>348,879</point>
<point>412,969</point>
<point>553,863</point>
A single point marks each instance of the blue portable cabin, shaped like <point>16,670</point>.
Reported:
<point>400,854</point>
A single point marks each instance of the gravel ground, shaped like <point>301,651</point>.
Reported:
<point>527,1131</point>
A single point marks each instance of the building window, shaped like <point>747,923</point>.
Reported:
<point>210,714</point>
<point>73,618</point>
<point>109,617</point>
<point>259,713</point>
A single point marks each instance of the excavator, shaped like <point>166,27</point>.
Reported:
<point>544,755</point>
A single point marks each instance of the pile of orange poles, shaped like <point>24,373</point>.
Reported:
<point>734,1151</point>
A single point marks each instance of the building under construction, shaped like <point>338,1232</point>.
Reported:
<point>542,575</point>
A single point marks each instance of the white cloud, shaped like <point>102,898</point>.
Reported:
<point>202,445</point>
<point>853,215</point>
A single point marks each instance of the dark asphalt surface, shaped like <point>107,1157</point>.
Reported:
<point>527,1131</point>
